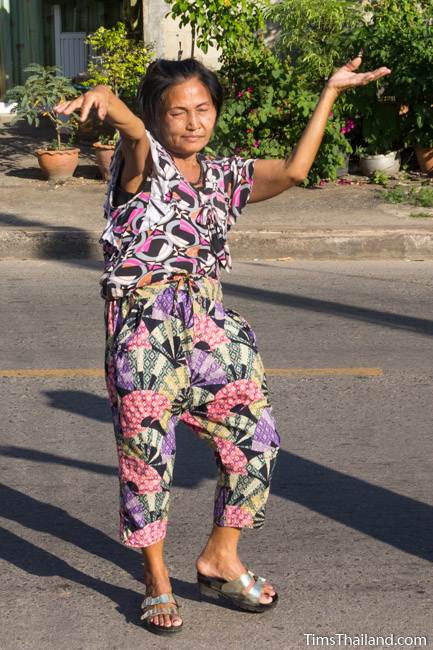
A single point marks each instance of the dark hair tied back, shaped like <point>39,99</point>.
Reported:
<point>163,73</point>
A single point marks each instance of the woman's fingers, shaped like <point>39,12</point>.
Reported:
<point>85,103</point>
<point>374,75</point>
<point>101,109</point>
<point>70,106</point>
<point>354,63</point>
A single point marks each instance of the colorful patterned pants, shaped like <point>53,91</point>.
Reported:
<point>174,352</point>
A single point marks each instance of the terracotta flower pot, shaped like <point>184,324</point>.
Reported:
<point>104,154</point>
<point>425,159</point>
<point>57,164</point>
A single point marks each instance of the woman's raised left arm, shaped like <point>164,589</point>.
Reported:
<point>273,176</point>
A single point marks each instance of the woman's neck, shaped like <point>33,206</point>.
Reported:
<point>189,166</point>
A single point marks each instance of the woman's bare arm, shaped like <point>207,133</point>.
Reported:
<point>271,177</point>
<point>135,143</point>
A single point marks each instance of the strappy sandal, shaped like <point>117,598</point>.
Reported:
<point>231,590</point>
<point>172,607</point>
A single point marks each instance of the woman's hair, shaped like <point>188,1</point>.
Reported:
<point>164,73</point>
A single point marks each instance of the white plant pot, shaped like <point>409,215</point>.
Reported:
<point>388,163</point>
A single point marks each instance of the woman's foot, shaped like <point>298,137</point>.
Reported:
<point>157,584</point>
<point>216,564</point>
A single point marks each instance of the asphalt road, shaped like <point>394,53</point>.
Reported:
<point>349,533</point>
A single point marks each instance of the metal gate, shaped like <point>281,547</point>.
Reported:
<point>70,49</point>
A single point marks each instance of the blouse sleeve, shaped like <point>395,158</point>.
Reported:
<point>240,184</point>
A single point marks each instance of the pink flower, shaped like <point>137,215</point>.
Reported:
<point>256,144</point>
<point>331,114</point>
<point>322,183</point>
<point>250,90</point>
<point>348,127</point>
<point>240,94</point>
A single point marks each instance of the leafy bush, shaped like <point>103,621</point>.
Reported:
<point>313,33</point>
<point>380,124</point>
<point>267,107</point>
<point>117,61</point>
<point>43,89</point>
<point>399,34</point>
<point>226,24</point>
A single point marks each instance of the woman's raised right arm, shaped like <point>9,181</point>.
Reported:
<point>135,143</point>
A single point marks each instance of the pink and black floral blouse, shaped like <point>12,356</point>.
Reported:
<point>170,226</point>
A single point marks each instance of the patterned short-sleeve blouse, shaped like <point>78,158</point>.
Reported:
<point>171,227</point>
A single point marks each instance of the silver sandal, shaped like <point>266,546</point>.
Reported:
<point>172,607</point>
<point>232,591</point>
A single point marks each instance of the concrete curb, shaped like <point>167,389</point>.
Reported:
<point>305,244</point>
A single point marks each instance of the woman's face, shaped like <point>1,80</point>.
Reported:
<point>188,118</point>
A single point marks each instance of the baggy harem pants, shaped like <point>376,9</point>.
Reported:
<point>173,351</point>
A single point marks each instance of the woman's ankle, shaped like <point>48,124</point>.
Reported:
<point>156,575</point>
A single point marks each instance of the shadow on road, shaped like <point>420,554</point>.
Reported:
<point>38,562</point>
<point>373,316</point>
<point>46,518</point>
<point>389,517</point>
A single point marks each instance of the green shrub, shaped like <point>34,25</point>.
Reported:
<point>229,25</point>
<point>43,89</point>
<point>117,61</point>
<point>314,33</point>
<point>267,107</point>
<point>399,34</point>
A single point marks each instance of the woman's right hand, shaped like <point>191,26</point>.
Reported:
<point>97,97</point>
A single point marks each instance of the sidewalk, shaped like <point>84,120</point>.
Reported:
<point>40,220</point>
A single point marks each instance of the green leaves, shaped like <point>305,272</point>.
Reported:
<point>228,24</point>
<point>265,113</point>
<point>399,34</point>
<point>43,89</point>
<point>118,61</point>
<point>313,33</point>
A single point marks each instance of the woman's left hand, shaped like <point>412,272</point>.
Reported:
<point>346,77</point>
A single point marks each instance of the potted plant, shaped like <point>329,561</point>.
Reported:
<point>399,34</point>
<point>381,138</point>
<point>420,135</point>
<point>43,89</point>
<point>117,61</point>
<point>104,149</point>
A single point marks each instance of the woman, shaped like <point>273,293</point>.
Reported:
<point>173,350</point>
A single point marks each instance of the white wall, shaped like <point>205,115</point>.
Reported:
<point>166,34</point>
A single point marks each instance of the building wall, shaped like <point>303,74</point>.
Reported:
<point>170,39</point>
<point>21,39</point>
